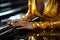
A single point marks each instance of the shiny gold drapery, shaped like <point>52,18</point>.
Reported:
<point>50,14</point>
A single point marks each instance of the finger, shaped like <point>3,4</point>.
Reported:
<point>8,22</point>
<point>17,24</point>
<point>14,21</point>
<point>20,28</point>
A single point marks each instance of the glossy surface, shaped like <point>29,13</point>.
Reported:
<point>47,11</point>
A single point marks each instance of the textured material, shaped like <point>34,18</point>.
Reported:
<point>50,13</point>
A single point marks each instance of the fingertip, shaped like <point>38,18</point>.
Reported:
<point>8,22</point>
<point>13,25</point>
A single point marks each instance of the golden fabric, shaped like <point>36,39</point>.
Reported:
<point>50,14</point>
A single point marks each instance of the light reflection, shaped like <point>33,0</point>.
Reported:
<point>31,38</point>
<point>5,4</point>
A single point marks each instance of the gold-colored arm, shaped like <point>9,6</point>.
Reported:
<point>32,11</point>
<point>41,25</point>
<point>50,11</point>
<point>46,24</point>
<point>29,15</point>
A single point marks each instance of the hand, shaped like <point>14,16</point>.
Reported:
<point>20,22</point>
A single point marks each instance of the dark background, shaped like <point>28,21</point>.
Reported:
<point>9,9</point>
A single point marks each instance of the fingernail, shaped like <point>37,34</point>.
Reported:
<point>11,23</point>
